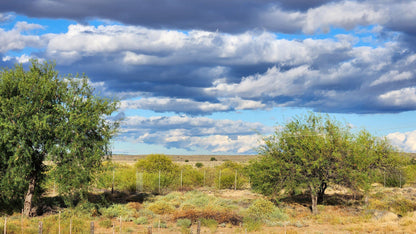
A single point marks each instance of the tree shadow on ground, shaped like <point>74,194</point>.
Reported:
<point>53,204</point>
<point>335,199</point>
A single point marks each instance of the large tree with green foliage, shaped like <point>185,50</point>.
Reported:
<point>312,151</point>
<point>45,117</point>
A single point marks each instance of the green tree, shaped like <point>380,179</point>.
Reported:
<point>47,117</point>
<point>312,151</point>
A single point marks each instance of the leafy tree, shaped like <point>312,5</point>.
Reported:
<point>312,151</point>
<point>47,117</point>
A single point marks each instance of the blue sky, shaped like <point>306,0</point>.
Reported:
<point>212,77</point>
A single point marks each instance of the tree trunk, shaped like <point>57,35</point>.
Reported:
<point>321,192</point>
<point>28,197</point>
<point>314,203</point>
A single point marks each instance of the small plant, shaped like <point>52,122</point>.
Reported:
<point>186,160</point>
<point>213,159</point>
<point>141,220</point>
<point>199,165</point>
<point>183,223</point>
<point>161,207</point>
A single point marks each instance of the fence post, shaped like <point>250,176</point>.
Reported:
<point>59,223</point>
<point>181,179</point>
<point>159,182</point>
<point>92,227</point>
<point>139,182</point>
<point>149,230</point>
<point>40,227</point>
<point>204,177</point>
<point>5,225</point>
<point>219,181</point>
<point>112,185</point>
<point>120,224</point>
<point>198,228</point>
<point>235,180</point>
<point>21,221</point>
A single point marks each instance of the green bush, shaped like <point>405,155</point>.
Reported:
<point>183,223</point>
<point>213,159</point>
<point>141,220</point>
<point>161,207</point>
<point>199,165</point>
<point>118,210</point>
<point>212,224</point>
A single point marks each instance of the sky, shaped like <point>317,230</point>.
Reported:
<point>214,77</point>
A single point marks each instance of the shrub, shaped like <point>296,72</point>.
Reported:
<point>155,163</point>
<point>199,165</point>
<point>141,220</point>
<point>186,160</point>
<point>260,209</point>
<point>212,224</point>
<point>183,223</point>
<point>118,210</point>
<point>161,207</point>
<point>213,159</point>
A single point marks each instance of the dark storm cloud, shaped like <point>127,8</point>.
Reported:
<point>228,16</point>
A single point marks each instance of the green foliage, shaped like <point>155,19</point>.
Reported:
<point>141,220</point>
<point>161,207</point>
<point>183,223</point>
<point>229,171</point>
<point>124,177</point>
<point>199,165</point>
<point>44,116</point>
<point>312,151</point>
<point>118,210</point>
<point>261,209</point>
<point>213,159</point>
<point>156,162</point>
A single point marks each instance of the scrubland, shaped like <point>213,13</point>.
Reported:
<point>220,205</point>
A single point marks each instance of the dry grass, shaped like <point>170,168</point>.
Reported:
<point>191,159</point>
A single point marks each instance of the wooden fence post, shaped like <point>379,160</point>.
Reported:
<point>149,230</point>
<point>40,227</point>
<point>92,227</point>
<point>198,229</point>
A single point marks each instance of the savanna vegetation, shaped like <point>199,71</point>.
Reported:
<point>314,173</point>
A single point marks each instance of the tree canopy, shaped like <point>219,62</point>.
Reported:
<point>47,117</point>
<point>312,151</point>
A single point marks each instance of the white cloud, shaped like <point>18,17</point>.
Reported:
<point>345,14</point>
<point>173,104</point>
<point>194,132</point>
<point>405,141</point>
<point>393,76</point>
<point>405,97</point>
<point>15,39</point>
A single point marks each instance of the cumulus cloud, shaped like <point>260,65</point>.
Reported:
<point>190,132</point>
<point>16,39</point>
<point>405,141</point>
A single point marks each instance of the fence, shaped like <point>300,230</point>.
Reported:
<point>162,182</point>
<point>91,229</point>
